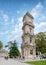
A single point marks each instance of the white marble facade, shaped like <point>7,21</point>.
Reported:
<point>28,42</point>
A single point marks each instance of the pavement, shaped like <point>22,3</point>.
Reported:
<point>10,62</point>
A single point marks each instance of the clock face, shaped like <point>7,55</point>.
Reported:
<point>29,19</point>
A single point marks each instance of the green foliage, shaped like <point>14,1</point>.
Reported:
<point>37,62</point>
<point>13,52</point>
<point>1,45</point>
<point>40,41</point>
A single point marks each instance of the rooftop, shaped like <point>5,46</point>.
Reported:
<point>28,14</point>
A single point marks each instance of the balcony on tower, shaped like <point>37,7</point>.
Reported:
<point>28,39</point>
<point>28,30</point>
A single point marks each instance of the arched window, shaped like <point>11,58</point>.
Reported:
<point>30,29</point>
<point>30,39</point>
<point>31,51</point>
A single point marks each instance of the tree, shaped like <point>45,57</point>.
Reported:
<point>13,49</point>
<point>40,41</point>
<point>1,45</point>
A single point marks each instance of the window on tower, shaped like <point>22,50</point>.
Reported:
<point>30,39</point>
<point>30,29</point>
<point>31,51</point>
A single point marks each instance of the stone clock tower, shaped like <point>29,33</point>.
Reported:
<point>28,43</point>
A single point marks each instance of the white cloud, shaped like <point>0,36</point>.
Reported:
<point>41,17</point>
<point>12,37</point>
<point>5,17</point>
<point>40,24</point>
<point>36,9</point>
<point>4,32</point>
<point>20,19</point>
<point>17,32</point>
<point>36,12</point>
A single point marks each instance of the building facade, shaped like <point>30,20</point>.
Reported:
<point>3,53</point>
<point>28,42</point>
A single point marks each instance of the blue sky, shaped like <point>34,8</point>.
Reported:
<point>11,15</point>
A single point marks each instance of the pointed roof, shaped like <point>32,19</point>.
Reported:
<point>28,14</point>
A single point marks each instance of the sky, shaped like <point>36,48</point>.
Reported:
<point>11,15</point>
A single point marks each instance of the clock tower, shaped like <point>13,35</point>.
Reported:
<point>28,42</point>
